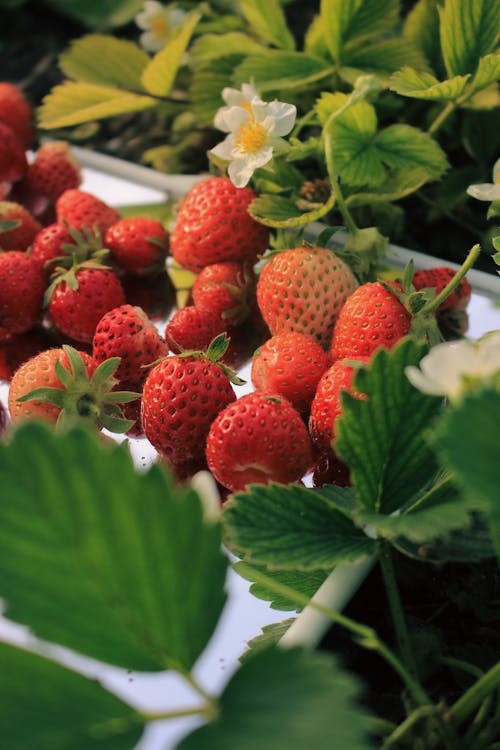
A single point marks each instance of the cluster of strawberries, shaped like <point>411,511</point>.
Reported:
<point>117,367</point>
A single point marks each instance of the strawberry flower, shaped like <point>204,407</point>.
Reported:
<point>157,22</point>
<point>255,129</point>
<point>453,368</point>
<point>487,191</point>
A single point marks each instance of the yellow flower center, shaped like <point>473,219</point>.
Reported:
<point>159,26</point>
<point>251,136</point>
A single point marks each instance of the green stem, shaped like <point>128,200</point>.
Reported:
<point>349,222</point>
<point>159,715</point>
<point>396,607</point>
<point>420,713</point>
<point>366,636</point>
<point>442,116</point>
<point>475,695</point>
<point>444,294</point>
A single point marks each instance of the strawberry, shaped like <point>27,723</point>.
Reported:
<point>258,439</point>
<point>82,210</point>
<point>78,298</point>
<point>192,328</point>
<point>290,364</point>
<point>63,386</point>
<point>17,112</point>
<point>154,293</point>
<point>22,284</point>
<point>213,225</point>
<point>371,317</point>
<point>181,397</point>
<point>54,170</point>
<point>50,243</point>
<point>138,245</point>
<point>18,228</point>
<point>127,332</point>
<point>437,278</point>
<point>303,289</point>
<point>13,162</point>
<point>227,289</point>
<point>16,352</point>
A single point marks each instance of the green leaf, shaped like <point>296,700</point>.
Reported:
<point>278,211</point>
<point>383,438</point>
<point>159,76</point>
<point>306,582</point>
<point>206,85</point>
<point>277,70</point>
<point>267,19</point>
<point>422,85</point>
<point>291,528</point>
<point>286,699</point>
<point>48,706</point>
<point>210,47</point>
<point>470,29</point>
<point>270,636</point>
<point>98,13</point>
<point>385,56</point>
<point>84,532</point>
<point>72,103</point>
<point>421,26</point>
<point>469,544</point>
<point>488,72</point>
<point>406,147</point>
<point>348,20</point>
<point>396,186</point>
<point>105,61</point>
<point>474,460</point>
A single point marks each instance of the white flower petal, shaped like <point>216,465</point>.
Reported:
<point>151,42</point>
<point>236,116</point>
<point>284,116</point>
<point>485,191</point>
<point>226,149</point>
<point>422,382</point>
<point>240,172</point>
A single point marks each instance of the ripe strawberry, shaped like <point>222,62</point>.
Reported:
<point>437,278</point>
<point>127,332</point>
<point>17,112</point>
<point>213,225</point>
<point>259,439</point>
<point>326,405</point>
<point>22,284</point>
<point>23,227</point>
<point>138,245</point>
<point>192,328</point>
<point>13,162</point>
<point>290,364</point>
<point>82,210</point>
<point>63,385</point>
<point>78,298</point>
<point>181,397</point>
<point>154,293</point>
<point>371,317</point>
<point>227,289</point>
<point>303,289</point>
<point>50,243</point>
<point>54,170</point>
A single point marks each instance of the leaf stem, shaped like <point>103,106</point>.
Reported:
<point>160,715</point>
<point>349,222</point>
<point>475,695</point>
<point>417,715</point>
<point>442,116</point>
<point>471,258</point>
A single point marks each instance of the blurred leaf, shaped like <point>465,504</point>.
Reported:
<point>383,438</point>
<point>291,528</point>
<point>277,211</point>
<point>421,26</point>
<point>182,280</point>
<point>105,61</point>
<point>270,636</point>
<point>347,20</point>
<point>206,85</point>
<point>470,29</point>
<point>47,706</point>
<point>422,85</point>
<point>406,147</point>
<point>98,14</point>
<point>212,46</point>
<point>159,75</point>
<point>277,70</point>
<point>267,19</point>
<point>385,56</point>
<point>488,72</point>
<point>396,186</point>
<point>469,544</point>
<point>111,562</point>
<point>286,699</point>
<point>72,103</point>
<point>306,582</point>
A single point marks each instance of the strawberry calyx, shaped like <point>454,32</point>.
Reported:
<point>244,294</point>
<point>86,399</point>
<point>214,353</point>
<point>79,256</point>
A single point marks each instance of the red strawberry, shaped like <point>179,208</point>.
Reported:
<point>138,245</point>
<point>327,406</point>
<point>438,278</point>
<point>329,469</point>
<point>192,328</point>
<point>51,242</point>
<point>54,170</point>
<point>83,210</point>
<point>303,289</point>
<point>63,385</point>
<point>213,225</point>
<point>23,230</point>
<point>290,364</point>
<point>127,332</point>
<point>259,439</point>
<point>182,396</point>
<point>13,162</point>
<point>22,284</point>
<point>21,348</point>
<point>78,298</point>
<point>371,317</point>
<point>227,289</point>
<point>17,112</point>
<point>154,293</point>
